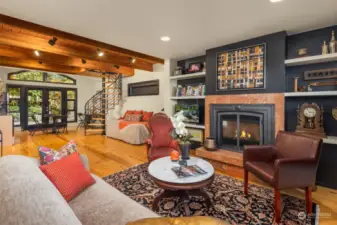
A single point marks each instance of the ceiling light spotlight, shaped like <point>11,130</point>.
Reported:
<point>52,42</point>
<point>37,53</point>
<point>99,52</point>
<point>133,60</point>
<point>165,38</point>
<point>84,61</point>
<point>274,1</point>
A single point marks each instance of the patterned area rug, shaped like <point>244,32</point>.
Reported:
<point>226,193</point>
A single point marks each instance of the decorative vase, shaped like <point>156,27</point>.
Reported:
<point>210,144</point>
<point>174,155</point>
<point>185,150</point>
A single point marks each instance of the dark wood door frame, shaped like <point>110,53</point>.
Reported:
<point>24,100</point>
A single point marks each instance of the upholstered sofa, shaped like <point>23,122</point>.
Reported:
<point>28,197</point>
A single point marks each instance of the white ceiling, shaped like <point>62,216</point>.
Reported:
<point>193,25</point>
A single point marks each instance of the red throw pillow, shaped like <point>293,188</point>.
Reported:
<point>128,112</point>
<point>140,112</point>
<point>68,175</point>
<point>147,115</point>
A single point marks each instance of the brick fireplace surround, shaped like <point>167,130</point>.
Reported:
<point>227,160</point>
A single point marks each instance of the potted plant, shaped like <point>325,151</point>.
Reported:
<point>181,134</point>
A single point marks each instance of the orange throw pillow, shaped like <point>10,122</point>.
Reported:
<point>147,115</point>
<point>138,112</point>
<point>68,175</point>
<point>128,112</point>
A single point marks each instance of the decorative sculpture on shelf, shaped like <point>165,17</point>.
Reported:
<point>310,120</point>
<point>325,49</point>
<point>332,44</point>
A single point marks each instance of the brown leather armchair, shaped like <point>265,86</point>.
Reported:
<point>161,143</point>
<point>290,163</point>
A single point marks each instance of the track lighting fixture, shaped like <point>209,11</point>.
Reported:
<point>132,60</point>
<point>52,42</point>
<point>37,53</point>
<point>99,52</point>
<point>116,66</point>
<point>84,61</point>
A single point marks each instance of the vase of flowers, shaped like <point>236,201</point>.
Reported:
<point>181,135</point>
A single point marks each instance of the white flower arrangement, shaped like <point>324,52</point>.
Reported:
<point>180,132</point>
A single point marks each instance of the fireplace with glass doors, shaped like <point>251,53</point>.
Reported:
<point>235,125</point>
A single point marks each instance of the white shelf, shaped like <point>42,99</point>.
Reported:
<point>188,76</point>
<point>311,60</point>
<point>330,140</point>
<point>195,126</point>
<point>187,97</point>
<point>312,93</point>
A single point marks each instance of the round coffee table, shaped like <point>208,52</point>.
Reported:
<point>162,175</point>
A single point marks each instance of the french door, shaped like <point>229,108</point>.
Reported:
<point>41,101</point>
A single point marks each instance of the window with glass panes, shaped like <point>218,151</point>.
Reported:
<point>14,104</point>
<point>72,105</point>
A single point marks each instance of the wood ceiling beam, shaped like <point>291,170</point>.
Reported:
<point>28,54</point>
<point>66,48</point>
<point>68,36</point>
<point>35,65</point>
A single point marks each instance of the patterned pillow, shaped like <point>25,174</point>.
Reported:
<point>70,147</point>
<point>48,155</point>
<point>133,117</point>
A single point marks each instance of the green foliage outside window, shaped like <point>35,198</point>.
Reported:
<point>41,77</point>
<point>27,76</point>
<point>14,92</point>
<point>57,78</point>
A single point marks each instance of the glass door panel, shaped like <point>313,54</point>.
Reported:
<point>54,103</point>
<point>34,105</point>
<point>71,105</point>
<point>14,104</point>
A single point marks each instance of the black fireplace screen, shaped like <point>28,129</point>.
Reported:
<point>240,129</point>
<point>234,126</point>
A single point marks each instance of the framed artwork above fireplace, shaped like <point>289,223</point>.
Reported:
<point>242,68</point>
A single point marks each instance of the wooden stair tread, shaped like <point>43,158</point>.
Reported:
<point>96,124</point>
<point>94,130</point>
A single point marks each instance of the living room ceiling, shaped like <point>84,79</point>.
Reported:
<point>192,25</point>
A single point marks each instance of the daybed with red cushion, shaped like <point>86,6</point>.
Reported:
<point>129,128</point>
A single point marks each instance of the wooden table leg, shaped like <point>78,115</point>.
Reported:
<point>164,194</point>
<point>202,193</point>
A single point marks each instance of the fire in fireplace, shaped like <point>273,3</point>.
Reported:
<point>234,126</point>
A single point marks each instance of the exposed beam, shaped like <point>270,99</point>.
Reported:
<point>36,65</point>
<point>64,35</point>
<point>28,54</point>
<point>19,39</point>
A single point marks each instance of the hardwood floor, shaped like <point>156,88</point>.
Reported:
<point>107,156</point>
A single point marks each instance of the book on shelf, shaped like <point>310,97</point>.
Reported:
<point>188,171</point>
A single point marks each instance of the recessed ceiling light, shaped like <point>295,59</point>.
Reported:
<point>37,53</point>
<point>99,52</point>
<point>165,38</point>
<point>274,1</point>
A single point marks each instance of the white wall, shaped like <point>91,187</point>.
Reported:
<point>153,103</point>
<point>86,86</point>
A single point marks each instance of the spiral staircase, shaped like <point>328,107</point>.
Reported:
<point>99,104</point>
